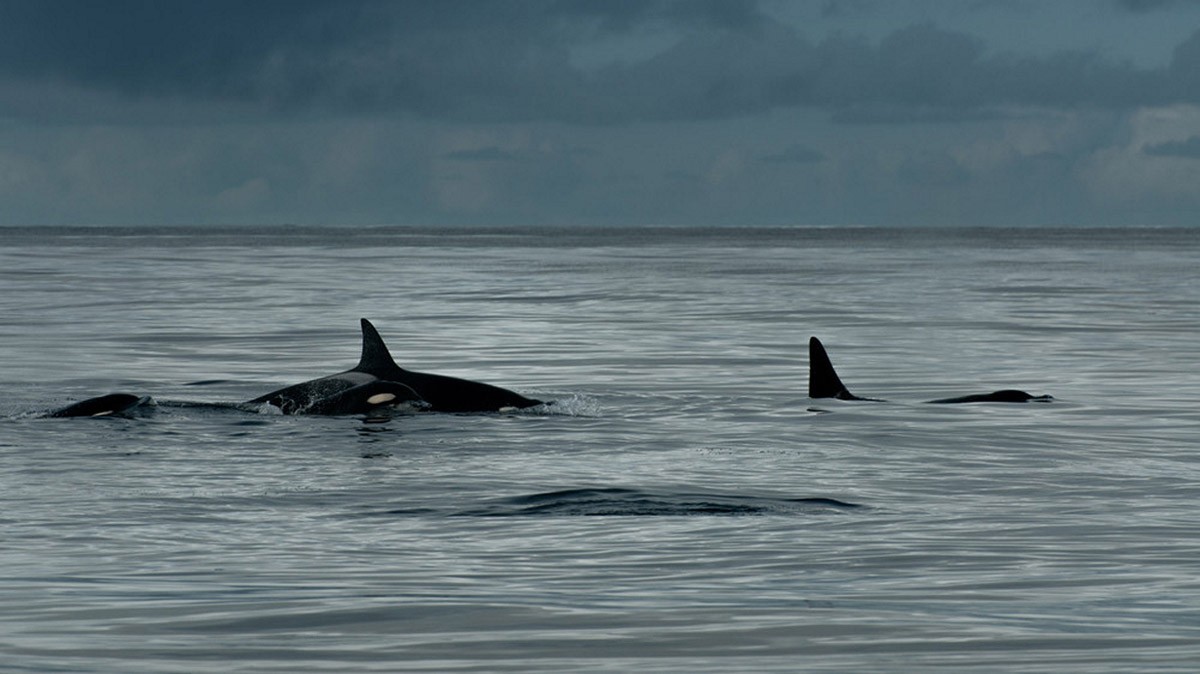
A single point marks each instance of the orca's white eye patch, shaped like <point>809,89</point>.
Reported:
<point>380,398</point>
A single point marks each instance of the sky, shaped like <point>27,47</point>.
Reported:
<point>600,112</point>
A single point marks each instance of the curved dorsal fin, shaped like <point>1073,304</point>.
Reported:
<point>375,358</point>
<point>823,381</point>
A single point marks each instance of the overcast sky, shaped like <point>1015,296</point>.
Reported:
<point>706,112</point>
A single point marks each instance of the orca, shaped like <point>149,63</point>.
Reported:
<point>375,384</point>
<point>441,392</point>
<point>329,397</point>
<point>341,394</point>
<point>1006,396</point>
<point>823,382</point>
<point>111,405</point>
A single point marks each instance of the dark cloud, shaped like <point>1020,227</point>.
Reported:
<point>349,55</point>
<point>153,47</point>
<point>1188,149</point>
<point>602,111</point>
<point>485,61</point>
<point>1142,6</point>
<point>795,154</point>
<point>839,8</point>
<point>490,153</point>
<point>1184,70</point>
<point>921,73</point>
<point>881,113</point>
<point>930,171</point>
<point>622,16</point>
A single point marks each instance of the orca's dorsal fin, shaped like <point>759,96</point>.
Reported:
<point>823,380</point>
<point>375,359</point>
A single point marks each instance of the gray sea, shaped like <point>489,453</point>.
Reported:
<point>682,507</point>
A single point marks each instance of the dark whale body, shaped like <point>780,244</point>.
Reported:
<point>1006,396</point>
<point>375,384</point>
<point>113,404</point>
<point>331,397</point>
<point>443,393</point>
<point>339,394</point>
<point>439,392</point>
<point>823,382</point>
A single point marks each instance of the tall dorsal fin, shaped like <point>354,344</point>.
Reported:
<point>375,355</point>
<point>823,381</point>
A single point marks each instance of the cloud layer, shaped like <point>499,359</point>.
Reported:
<point>481,61</point>
<point>571,111</point>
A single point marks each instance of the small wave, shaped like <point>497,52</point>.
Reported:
<point>574,405</point>
<point>636,502</point>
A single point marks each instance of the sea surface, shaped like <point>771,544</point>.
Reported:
<point>681,507</point>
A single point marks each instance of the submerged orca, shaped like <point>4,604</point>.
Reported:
<point>328,396</point>
<point>111,405</point>
<point>375,384</point>
<point>823,382</point>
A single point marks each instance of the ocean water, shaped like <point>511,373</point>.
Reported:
<point>682,507</point>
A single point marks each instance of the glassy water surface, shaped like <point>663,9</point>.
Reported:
<point>683,506</point>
